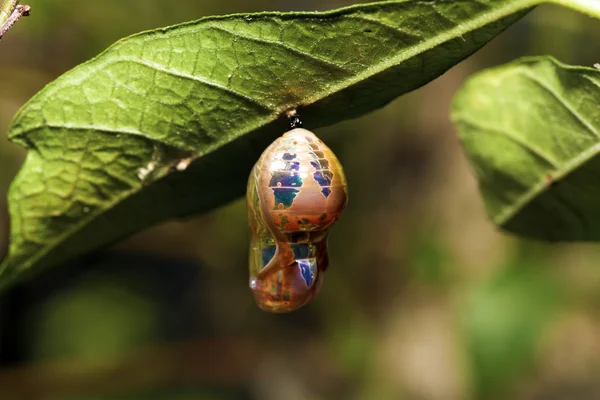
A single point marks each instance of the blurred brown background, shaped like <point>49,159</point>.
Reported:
<point>424,300</point>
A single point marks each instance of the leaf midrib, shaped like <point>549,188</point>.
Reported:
<point>542,185</point>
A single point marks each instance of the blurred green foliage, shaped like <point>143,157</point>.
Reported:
<point>424,298</point>
<point>98,310</point>
<point>504,320</point>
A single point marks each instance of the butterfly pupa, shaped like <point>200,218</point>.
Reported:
<point>296,192</point>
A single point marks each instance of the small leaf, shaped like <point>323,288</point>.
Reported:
<point>532,131</point>
<point>109,142</point>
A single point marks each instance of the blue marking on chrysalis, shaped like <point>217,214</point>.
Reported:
<point>324,178</point>
<point>306,271</point>
<point>284,196</point>
<point>284,182</point>
<point>267,254</point>
<point>301,250</point>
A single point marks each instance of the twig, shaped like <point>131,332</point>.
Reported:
<point>19,11</point>
<point>7,9</point>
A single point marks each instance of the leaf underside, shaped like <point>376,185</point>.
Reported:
<point>532,131</point>
<point>109,140</point>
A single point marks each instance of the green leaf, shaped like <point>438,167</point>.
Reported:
<point>532,132</point>
<point>106,139</point>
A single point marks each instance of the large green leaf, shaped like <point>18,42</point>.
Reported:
<point>106,139</point>
<point>532,131</point>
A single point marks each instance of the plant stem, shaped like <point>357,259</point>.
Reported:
<point>18,12</point>
<point>7,9</point>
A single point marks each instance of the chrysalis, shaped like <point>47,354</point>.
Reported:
<point>296,192</point>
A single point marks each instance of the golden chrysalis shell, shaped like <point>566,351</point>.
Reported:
<point>296,192</point>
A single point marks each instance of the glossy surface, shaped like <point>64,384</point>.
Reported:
<point>296,192</point>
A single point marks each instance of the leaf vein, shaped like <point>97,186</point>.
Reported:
<point>291,49</point>
<point>195,78</point>
<point>379,22</point>
<point>564,103</point>
<point>512,136</point>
